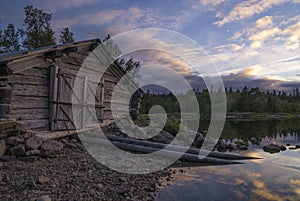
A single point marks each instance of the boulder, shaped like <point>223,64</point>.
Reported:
<point>14,140</point>
<point>8,158</point>
<point>18,150</point>
<point>163,137</point>
<point>34,152</point>
<point>33,143</point>
<point>2,148</point>
<point>298,146</point>
<point>52,146</point>
<point>199,141</point>
<point>273,148</point>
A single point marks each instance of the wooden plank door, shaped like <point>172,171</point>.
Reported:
<point>63,101</point>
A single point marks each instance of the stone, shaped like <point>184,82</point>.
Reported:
<point>298,146</point>
<point>163,137</point>
<point>8,158</point>
<point>33,143</point>
<point>14,140</point>
<point>18,150</point>
<point>28,134</point>
<point>43,179</point>
<point>2,148</point>
<point>199,141</point>
<point>34,152</point>
<point>31,183</point>
<point>272,148</point>
<point>52,146</point>
<point>3,135</point>
<point>6,125</point>
<point>43,198</point>
<point>29,159</point>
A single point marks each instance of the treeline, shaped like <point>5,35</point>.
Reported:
<point>36,32</point>
<point>246,100</point>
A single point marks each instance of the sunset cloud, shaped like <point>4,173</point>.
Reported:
<point>249,8</point>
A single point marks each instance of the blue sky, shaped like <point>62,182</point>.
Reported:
<point>254,43</point>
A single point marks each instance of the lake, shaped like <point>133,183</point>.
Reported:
<point>275,177</point>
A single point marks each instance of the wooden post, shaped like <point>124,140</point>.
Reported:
<point>53,97</point>
<point>83,109</point>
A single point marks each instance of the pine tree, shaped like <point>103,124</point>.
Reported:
<point>38,31</point>
<point>66,36</point>
<point>10,39</point>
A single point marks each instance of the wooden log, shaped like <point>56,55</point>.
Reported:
<point>164,153</point>
<point>228,156</point>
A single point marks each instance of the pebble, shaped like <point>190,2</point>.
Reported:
<point>44,198</point>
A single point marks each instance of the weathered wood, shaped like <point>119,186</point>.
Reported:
<point>30,114</point>
<point>228,156</point>
<point>27,63</point>
<point>30,90</point>
<point>53,96</point>
<point>29,102</point>
<point>40,124</point>
<point>27,79</point>
<point>164,153</point>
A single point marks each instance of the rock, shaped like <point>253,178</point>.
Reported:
<point>2,148</point>
<point>18,150</point>
<point>34,152</point>
<point>199,141</point>
<point>27,134</point>
<point>163,137</point>
<point>73,140</point>
<point>298,146</point>
<point>282,148</point>
<point>52,146</point>
<point>14,140</point>
<point>273,148</point>
<point>221,146</point>
<point>71,145</point>
<point>29,159</point>
<point>31,183</point>
<point>3,135</point>
<point>0,177</point>
<point>43,179</point>
<point>33,143</point>
<point>8,158</point>
<point>232,146</point>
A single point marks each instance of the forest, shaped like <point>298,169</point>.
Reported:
<point>246,100</point>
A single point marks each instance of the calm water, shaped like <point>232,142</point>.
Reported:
<point>275,177</point>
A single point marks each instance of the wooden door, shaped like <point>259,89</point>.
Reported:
<point>63,101</point>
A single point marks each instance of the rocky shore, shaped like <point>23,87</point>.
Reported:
<point>73,175</point>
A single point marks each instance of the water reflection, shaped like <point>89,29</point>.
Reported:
<point>251,181</point>
<point>275,177</point>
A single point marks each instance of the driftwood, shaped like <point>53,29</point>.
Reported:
<point>186,157</point>
<point>228,156</point>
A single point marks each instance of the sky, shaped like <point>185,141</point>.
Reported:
<point>254,42</point>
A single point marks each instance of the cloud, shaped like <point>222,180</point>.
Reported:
<point>249,8</point>
<point>212,3</point>
<point>248,77</point>
<point>293,32</point>
<point>54,6</point>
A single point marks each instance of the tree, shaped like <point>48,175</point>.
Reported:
<point>10,39</point>
<point>38,31</point>
<point>66,36</point>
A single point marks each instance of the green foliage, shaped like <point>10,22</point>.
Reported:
<point>248,100</point>
<point>38,31</point>
<point>66,36</point>
<point>9,39</point>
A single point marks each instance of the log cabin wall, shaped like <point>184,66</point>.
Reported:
<point>26,85</point>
